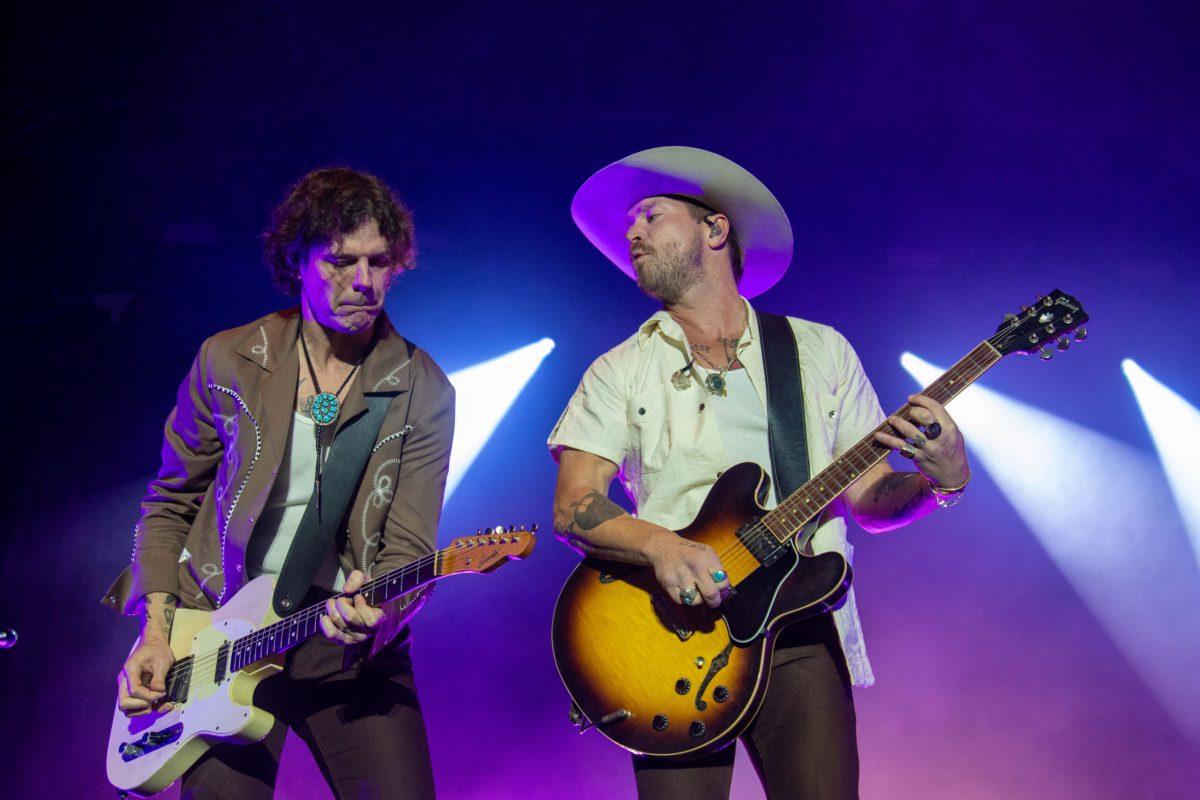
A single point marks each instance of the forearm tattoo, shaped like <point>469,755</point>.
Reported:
<point>157,602</point>
<point>591,511</point>
<point>899,483</point>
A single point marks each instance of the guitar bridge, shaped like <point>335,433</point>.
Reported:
<point>149,742</point>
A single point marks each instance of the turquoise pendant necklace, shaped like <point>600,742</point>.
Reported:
<point>714,382</point>
<point>324,411</point>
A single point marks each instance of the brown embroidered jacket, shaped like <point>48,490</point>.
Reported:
<point>223,446</point>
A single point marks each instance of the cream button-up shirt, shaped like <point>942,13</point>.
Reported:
<point>667,444</point>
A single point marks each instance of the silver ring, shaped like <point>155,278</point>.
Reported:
<point>918,441</point>
<point>908,451</point>
<point>687,596</point>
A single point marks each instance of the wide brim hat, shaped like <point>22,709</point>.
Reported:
<point>601,205</point>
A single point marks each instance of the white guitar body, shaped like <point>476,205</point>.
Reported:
<point>147,753</point>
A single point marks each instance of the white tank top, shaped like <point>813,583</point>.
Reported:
<point>742,420</point>
<point>276,528</point>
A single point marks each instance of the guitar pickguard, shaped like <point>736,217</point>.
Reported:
<point>748,611</point>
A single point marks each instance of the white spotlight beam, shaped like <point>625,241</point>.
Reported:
<point>1174,425</point>
<point>1100,510</point>
<point>484,393</point>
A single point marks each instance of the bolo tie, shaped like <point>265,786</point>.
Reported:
<point>324,412</point>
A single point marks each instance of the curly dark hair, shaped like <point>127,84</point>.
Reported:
<point>326,205</point>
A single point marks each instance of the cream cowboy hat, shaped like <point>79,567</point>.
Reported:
<point>762,227</point>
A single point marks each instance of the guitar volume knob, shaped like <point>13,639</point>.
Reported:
<point>683,686</point>
<point>696,729</point>
<point>660,722</point>
<point>721,694</point>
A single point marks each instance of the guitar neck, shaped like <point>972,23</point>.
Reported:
<point>303,625</point>
<point>789,517</point>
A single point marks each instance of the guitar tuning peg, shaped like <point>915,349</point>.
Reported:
<point>1010,317</point>
<point>1046,354</point>
<point>1024,309</point>
<point>534,528</point>
<point>488,531</point>
<point>1081,334</point>
<point>1063,343</point>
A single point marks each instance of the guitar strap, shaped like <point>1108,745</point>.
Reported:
<point>340,480</point>
<point>785,409</point>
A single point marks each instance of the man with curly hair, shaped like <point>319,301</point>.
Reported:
<point>254,428</point>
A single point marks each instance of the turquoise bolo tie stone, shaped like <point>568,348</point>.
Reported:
<point>324,408</point>
<point>715,383</point>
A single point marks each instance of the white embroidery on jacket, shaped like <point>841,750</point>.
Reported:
<point>261,349</point>
<point>209,571</point>
<point>380,496</point>
<point>405,431</point>
<point>390,379</point>
<point>229,424</point>
<point>223,523</point>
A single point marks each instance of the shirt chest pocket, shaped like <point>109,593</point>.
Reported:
<point>649,434</point>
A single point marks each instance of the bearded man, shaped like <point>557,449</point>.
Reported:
<point>683,399</point>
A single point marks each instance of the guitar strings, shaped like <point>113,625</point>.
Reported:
<point>738,554</point>
<point>211,658</point>
<point>973,362</point>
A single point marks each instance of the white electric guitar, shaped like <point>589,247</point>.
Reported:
<point>220,657</point>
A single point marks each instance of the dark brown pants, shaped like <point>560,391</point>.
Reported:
<point>363,725</point>
<point>802,742</point>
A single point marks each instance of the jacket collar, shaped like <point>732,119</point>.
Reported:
<point>272,346</point>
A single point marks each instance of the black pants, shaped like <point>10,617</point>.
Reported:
<point>363,725</point>
<point>802,741</point>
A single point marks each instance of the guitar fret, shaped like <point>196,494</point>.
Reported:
<point>303,625</point>
<point>804,504</point>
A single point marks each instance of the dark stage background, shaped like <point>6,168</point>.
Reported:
<point>940,165</point>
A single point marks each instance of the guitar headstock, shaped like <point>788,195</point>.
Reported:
<point>1049,321</point>
<point>487,549</point>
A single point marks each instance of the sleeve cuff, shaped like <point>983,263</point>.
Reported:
<point>608,453</point>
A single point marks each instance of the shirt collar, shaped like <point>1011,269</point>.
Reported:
<point>669,329</point>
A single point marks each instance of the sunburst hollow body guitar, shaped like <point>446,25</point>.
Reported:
<point>662,679</point>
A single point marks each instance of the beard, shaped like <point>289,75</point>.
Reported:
<point>667,275</point>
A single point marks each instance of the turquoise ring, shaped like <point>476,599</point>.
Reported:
<point>719,576</point>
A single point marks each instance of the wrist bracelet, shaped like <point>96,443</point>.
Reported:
<point>948,497</point>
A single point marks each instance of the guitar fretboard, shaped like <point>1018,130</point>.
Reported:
<point>303,625</point>
<point>803,505</point>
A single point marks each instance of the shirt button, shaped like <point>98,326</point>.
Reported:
<point>702,406</point>
<point>641,411</point>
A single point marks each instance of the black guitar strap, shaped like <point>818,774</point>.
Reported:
<point>340,480</point>
<point>785,408</point>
